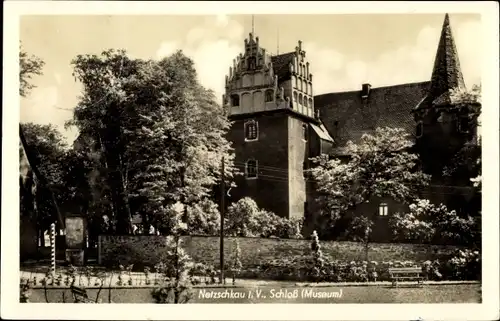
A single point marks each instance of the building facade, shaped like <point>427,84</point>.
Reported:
<point>278,124</point>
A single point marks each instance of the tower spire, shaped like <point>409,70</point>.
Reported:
<point>447,73</point>
<point>253,25</point>
<point>278,42</point>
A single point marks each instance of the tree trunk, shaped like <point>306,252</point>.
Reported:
<point>112,149</point>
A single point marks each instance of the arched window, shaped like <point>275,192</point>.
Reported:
<point>269,95</point>
<point>306,88</point>
<point>301,85</point>
<point>295,96</point>
<point>235,100</point>
<point>251,169</point>
<point>300,99</point>
<point>251,130</point>
<point>310,89</point>
<point>304,132</point>
<point>251,63</point>
<point>296,82</point>
<point>305,101</point>
<point>310,102</point>
<point>420,130</point>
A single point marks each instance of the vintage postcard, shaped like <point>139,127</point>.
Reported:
<point>324,160</point>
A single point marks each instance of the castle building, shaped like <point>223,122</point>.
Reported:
<point>278,123</point>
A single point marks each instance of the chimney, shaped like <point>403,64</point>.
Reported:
<point>365,90</point>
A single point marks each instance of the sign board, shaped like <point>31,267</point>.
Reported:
<point>75,232</point>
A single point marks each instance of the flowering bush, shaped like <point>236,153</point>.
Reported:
<point>426,222</point>
<point>465,265</point>
<point>245,218</point>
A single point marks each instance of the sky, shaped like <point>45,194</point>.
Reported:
<point>345,50</point>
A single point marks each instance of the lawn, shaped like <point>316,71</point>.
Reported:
<point>458,293</point>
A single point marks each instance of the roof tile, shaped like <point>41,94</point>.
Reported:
<point>348,116</point>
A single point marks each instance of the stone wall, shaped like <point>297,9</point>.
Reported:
<point>148,250</point>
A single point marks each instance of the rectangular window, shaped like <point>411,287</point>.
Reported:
<point>304,132</point>
<point>251,130</point>
<point>251,169</point>
<point>383,209</point>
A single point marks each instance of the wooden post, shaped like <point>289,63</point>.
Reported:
<point>223,195</point>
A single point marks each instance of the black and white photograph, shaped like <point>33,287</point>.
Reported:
<point>309,160</point>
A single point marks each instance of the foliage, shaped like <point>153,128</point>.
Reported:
<point>426,222</point>
<point>158,133</point>
<point>174,268</point>
<point>29,66</point>
<point>379,166</point>
<point>26,290</point>
<point>236,261</point>
<point>48,152</point>
<point>317,256</point>
<point>295,269</point>
<point>203,218</point>
<point>465,265</point>
<point>245,218</point>
<point>361,228</point>
<point>467,161</point>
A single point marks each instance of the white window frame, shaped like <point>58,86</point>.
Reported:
<point>256,169</point>
<point>383,209</point>
<point>247,123</point>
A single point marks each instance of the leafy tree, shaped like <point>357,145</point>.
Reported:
<point>428,223</point>
<point>36,152</point>
<point>159,133</point>
<point>184,137</point>
<point>203,218</point>
<point>48,150</point>
<point>29,66</point>
<point>379,166</point>
<point>175,268</point>
<point>99,116</point>
<point>245,218</point>
<point>466,163</point>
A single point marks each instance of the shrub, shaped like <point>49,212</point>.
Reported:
<point>245,218</point>
<point>317,261</point>
<point>236,261</point>
<point>25,291</point>
<point>176,287</point>
<point>465,265</point>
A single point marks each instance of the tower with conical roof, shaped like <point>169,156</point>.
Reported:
<point>275,130</point>
<point>440,131</point>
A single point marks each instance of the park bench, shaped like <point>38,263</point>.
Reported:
<point>80,295</point>
<point>406,273</point>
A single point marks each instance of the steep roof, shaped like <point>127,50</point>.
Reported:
<point>447,73</point>
<point>281,65</point>
<point>347,116</point>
